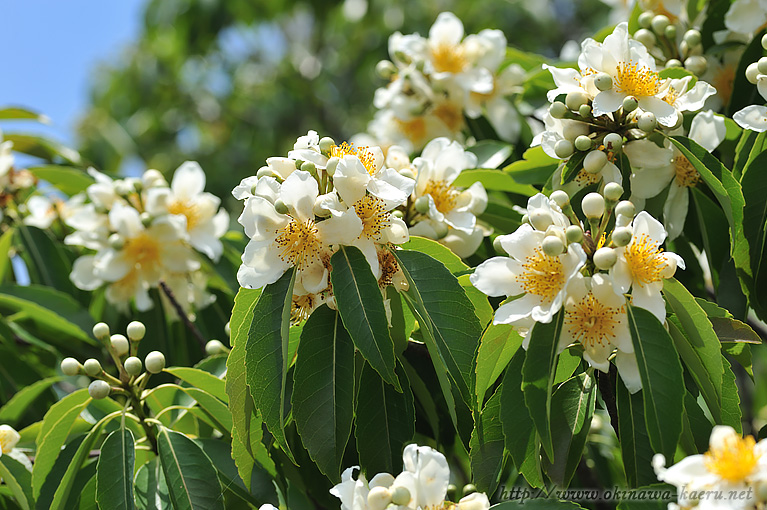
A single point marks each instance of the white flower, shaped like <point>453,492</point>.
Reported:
<point>352,493</point>
<point>6,161</point>
<point>9,438</point>
<point>474,501</point>
<point>746,16</point>
<point>679,94</point>
<point>42,212</point>
<point>425,475</point>
<point>642,265</point>
<point>753,117</point>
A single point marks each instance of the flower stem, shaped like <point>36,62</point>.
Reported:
<point>182,314</point>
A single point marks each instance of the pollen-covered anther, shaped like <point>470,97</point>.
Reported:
<point>374,216</point>
<point>298,242</point>
<point>591,322</point>
<point>734,459</point>
<point>543,275</point>
<point>645,260</point>
<point>190,210</point>
<point>301,307</point>
<point>448,58</point>
<point>633,80</point>
<point>389,267</point>
<point>686,175</point>
<point>445,196</point>
<point>363,154</point>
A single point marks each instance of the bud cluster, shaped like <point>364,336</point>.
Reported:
<point>671,43</point>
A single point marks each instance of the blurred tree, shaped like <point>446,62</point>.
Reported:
<point>230,83</point>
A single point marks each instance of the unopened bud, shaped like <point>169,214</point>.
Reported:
<point>101,331</point>
<point>673,62</point>
<point>625,208</point>
<point>146,219</point>
<point>659,24</point>
<point>645,37</point>
<point>563,149</point>
<point>400,496</point>
<point>469,488</point>
<point>752,71</point>
<point>133,366</point>
<point>228,330</point>
<point>630,104</point>
<point>280,207</point>
<point>593,205</point>
<point>594,161</point>
<point>561,198</point>
<point>422,204</point>
<point>330,168</point>
<point>540,219</point>
<point>116,242</point>
<point>154,362</point>
<point>120,344</point>
<point>379,498</point>
<point>441,230</point>
<point>585,111</point>
<point>761,64</point>
<point>603,81</point>
<point>575,98</point>
<point>670,32</point>
<point>764,45</point>
<point>647,122</point>
<point>574,234</point>
<point>613,142</point>
<point>99,389</point>
<point>558,109</point>
<point>697,64</point>
<point>326,143</point>
<point>605,258</point>
<point>385,69</point>
<point>136,331</point>
<point>692,37</point>
<point>613,191</point>
<point>398,214</point>
<point>310,167</point>
<point>621,236</point>
<point>92,367</point>
<point>70,366</point>
<point>583,143</point>
<point>645,19</point>
<point>214,347</point>
<point>552,246</point>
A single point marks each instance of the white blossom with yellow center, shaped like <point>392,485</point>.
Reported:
<point>732,463</point>
<point>9,438</point>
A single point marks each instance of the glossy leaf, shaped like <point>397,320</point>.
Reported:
<point>202,380</point>
<point>490,154</point>
<point>486,446</point>
<point>67,179</point>
<point>15,475</point>
<point>755,229</point>
<point>151,491</point>
<point>6,242</point>
<point>635,445</point>
<point>15,408</point>
<point>114,474</point>
<point>498,345</point>
<point>493,180</point>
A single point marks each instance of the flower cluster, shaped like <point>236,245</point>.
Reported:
<point>555,262</point>
<point>146,235</point>
<point>422,485</point>
<point>434,82</point>
<point>754,117</point>
<point>732,474</point>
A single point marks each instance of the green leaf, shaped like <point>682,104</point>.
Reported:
<point>15,408</point>
<point>696,427</point>
<point>731,414</point>
<point>67,179</point>
<point>496,348</point>
<point>677,73</point>
<point>486,446</point>
<point>535,168</point>
<point>482,308</point>
<point>634,442</point>
<point>216,411</point>
<point>42,147</point>
<point>572,407</point>
<point>53,433</point>
<point>362,310</point>
<point>490,154</point>
<point>493,180</point>
<point>266,352</point>
<point>114,474</point>
<point>46,258</point>
<point>151,491</point>
<point>572,167</point>
<point>202,380</point>
<point>189,474</point>
<point>755,230</point>
<point>6,242</point>
<point>538,376</point>
<point>385,422</point>
<point>438,251</point>
<point>661,375</point>
<point>323,391</point>
<point>651,497</point>
<point>18,113</point>
<point>15,475</point>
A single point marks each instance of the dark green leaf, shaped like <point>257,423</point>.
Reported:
<point>535,168</point>
<point>572,167</point>
<point>731,414</point>
<point>114,474</point>
<point>15,408</point>
<point>486,445</point>
<point>494,180</point>
<point>151,489</point>
<point>490,154</point>
<point>15,475</point>
<point>755,230</point>
<point>635,445</point>
<point>202,380</point>
<point>744,93</point>
<point>6,242</point>
<point>496,348</point>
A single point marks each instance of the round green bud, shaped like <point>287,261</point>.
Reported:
<point>540,219</point>
<point>563,149</point>
<point>692,37</point>
<point>645,19</point>
<point>594,161</point>
<point>280,207</point>
<point>469,488</point>
<point>330,168</point>
<point>379,498</point>
<point>154,362</point>
<point>310,167</point>
<point>70,366</point>
<point>299,162</point>
<point>406,172</point>
<point>385,69</point>
<point>593,205</point>
<point>441,230</point>
<point>99,389</point>
<point>326,143</point>
<point>116,242</point>
<point>645,37</point>
<point>575,98</point>
<point>621,236</point>
<point>146,219</point>
<point>673,62</point>
<point>696,64</point>
<point>228,330</point>
<point>752,71</point>
<point>647,122</point>
<point>400,496</point>
<point>101,331</point>
<point>574,234</point>
<point>452,492</point>
<point>625,208</point>
<point>761,64</point>
<point>498,247</point>
<point>613,191</point>
<point>605,258</point>
<point>561,198</point>
<point>136,331</point>
<point>585,111</point>
<point>684,48</point>
<point>133,366</point>
<point>92,367</point>
<point>764,45</point>
<point>670,32</point>
<point>583,143</point>
<point>552,246</point>
<point>265,171</point>
<point>558,109</point>
<point>630,104</point>
<point>398,214</point>
<point>214,347</point>
<point>679,120</point>
<point>613,142</point>
<point>120,344</point>
<point>659,24</point>
<point>422,204</point>
<point>603,81</point>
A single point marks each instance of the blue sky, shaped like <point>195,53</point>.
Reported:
<point>51,47</point>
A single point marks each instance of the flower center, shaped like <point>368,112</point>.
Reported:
<point>374,216</point>
<point>644,260</point>
<point>451,115</point>
<point>301,307</point>
<point>584,178</point>
<point>143,250</point>
<point>388,263</point>
<point>445,196</point>
<point>591,322</point>
<point>190,210</point>
<point>723,82</point>
<point>298,243</point>
<point>734,460</point>
<point>632,80</point>
<point>414,129</point>
<point>363,154</point>
<point>686,175</point>
<point>448,58</point>
<point>543,275</point>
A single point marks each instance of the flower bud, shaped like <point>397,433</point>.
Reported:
<point>625,208</point>
<point>228,330</point>
<point>400,496</point>
<point>561,198</point>
<point>319,209</point>
<point>583,143</point>
<point>605,258</point>
<point>673,62</point>
<point>645,19</point>
<point>116,242</point>
<point>540,219</point>
<point>406,172</point>
<point>498,247</point>
<point>379,498</point>
<point>133,366</point>
<point>670,32</point>
<point>558,109</point>
<point>385,70</point>
<point>280,207</point>
<point>155,362</point>
<point>630,104</point>
<point>330,168</point>
<point>696,64</point>
<point>120,344</point>
<point>326,143</point>
<point>214,347</point>
<point>593,205</point>
<point>101,331</point>
<point>645,37</point>
<point>752,71</point>
<point>692,37</point>
<point>398,214</point>
<point>146,219</point>
<point>92,367</point>
<point>452,492</point>
<point>594,161</point>
<point>585,111</point>
<point>613,191</point>
<point>99,389</point>
<point>613,142</point>
<point>669,269</point>
<point>563,149</point>
<point>603,81</point>
<point>574,234</point>
<point>761,64</point>
<point>440,229</point>
<point>70,366</point>
<point>684,48</point>
<point>552,246</point>
<point>647,122</point>
<point>422,204</point>
<point>575,98</point>
<point>136,331</point>
<point>764,45</point>
<point>265,171</point>
<point>310,167</point>
<point>621,236</point>
<point>659,24</point>
<point>469,488</point>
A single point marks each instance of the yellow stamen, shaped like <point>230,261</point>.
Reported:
<point>414,129</point>
<point>375,218</point>
<point>363,154</point>
<point>584,178</point>
<point>723,82</point>
<point>301,307</point>
<point>633,80</point>
<point>645,260</point>
<point>389,267</point>
<point>734,460</point>
<point>543,275</point>
<point>298,242</point>
<point>191,211</point>
<point>448,58</point>
<point>142,250</point>
<point>451,115</point>
<point>445,196</point>
<point>686,175</point>
<point>591,322</point>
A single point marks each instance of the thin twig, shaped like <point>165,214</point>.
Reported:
<point>181,313</point>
